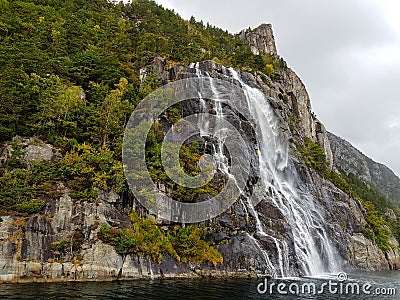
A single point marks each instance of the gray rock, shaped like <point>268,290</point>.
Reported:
<point>393,255</point>
<point>36,151</point>
<point>364,254</point>
<point>261,39</point>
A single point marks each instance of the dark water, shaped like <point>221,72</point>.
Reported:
<point>203,289</point>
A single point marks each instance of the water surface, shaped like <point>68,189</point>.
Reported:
<point>209,288</point>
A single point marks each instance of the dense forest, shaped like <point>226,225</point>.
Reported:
<point>52,49</point>
<point>69,75</point>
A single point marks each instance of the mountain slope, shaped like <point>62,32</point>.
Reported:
<point>351,160</point>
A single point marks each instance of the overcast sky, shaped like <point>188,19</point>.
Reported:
<point>347,52</point>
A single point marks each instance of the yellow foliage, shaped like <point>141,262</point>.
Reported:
<point>269,70</point>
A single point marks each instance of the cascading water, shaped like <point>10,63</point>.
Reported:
<point>300,212</point>
<point>305,220</point>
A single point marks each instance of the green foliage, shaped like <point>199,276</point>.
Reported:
<point>269,70</point>
<point>86,168</point>
<point>148,240</point>
<point>151,241</point>
<point>188,243</point>
<point>173,114</point>
<point>189,155</point>
<point>145,239</point>
<point>375,204</point>
<point>4,5</point>
<point>272,62</point>
<point>376,226</point>
<point>122,240</point>
<point>57,103</point>
<point>149,83</point>
<point>30,207</point>
<point>368,192</point>
<point>313,155</point>
<point>113,114</point>
<point>16,159</point>
<point>71,74</point>
<point>24,191</point>
<point>61,246</point>
<point>16,188</point>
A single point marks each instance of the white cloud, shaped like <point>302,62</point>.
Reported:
<point>165,4</point>
<point>391,9</point>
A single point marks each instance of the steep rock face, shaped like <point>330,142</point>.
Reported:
<point>365,254</point>
<point>27,250</point>
<point>344,215</point>
<point>28,243</point>
<point>261,39</point>
<point>351,160</point>
<point>296,106</point>
<point>339,153</point>
<point>290,88</point>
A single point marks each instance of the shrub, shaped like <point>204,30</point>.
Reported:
<point>30,207</point>
<point>189,155</point>
<point>313,155</point>
<point>148,240</point>
<point>377,227</point>
<point>86,168</point>
<point>188,243</point>
<point>61,246</point>
<point>269,70</point>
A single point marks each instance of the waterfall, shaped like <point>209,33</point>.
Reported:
<point>221,162</point>
<point>303,217</point>
<point>150,269</point>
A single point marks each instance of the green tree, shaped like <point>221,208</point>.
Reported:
<point>113,114</point>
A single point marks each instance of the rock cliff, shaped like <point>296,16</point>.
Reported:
<point>261,39</point>
<point>290,88</point>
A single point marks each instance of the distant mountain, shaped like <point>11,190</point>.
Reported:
<point>351,160</point>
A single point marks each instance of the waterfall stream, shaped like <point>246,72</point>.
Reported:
<point>300,212</point>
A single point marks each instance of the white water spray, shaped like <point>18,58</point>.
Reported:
<point>305,220</point>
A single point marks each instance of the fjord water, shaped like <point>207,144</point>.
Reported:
<point>188,289</point>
